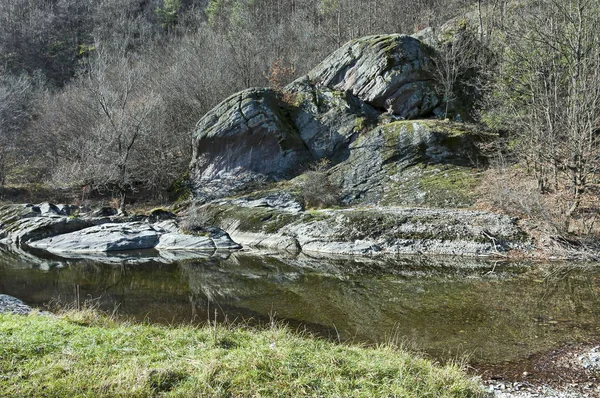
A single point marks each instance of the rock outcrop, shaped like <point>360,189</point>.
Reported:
<point>246,139</point>
<point>371,231</point>
<point>389,72</point>
<point>26,227</point>
<point>263,135</point>
<point>412,163</point>
<point>371,109</point>
<point>327,119</point>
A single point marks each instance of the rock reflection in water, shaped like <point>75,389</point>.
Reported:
<point>493,311</point>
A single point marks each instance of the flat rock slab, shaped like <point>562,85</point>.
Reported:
<point>31,229</point>
<point>102,238</point>
<point>374,230</point>
<point>173,241</point>
<point>132,236</point>
<point>407,231</point>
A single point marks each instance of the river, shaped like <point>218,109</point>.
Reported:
<point>448,307</point>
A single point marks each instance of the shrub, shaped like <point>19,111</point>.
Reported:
<point>316,189</point>
<point>195,219</point>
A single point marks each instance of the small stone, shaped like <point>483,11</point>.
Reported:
<point>13,305</point>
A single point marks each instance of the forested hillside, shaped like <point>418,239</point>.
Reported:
<point>102,95</point>
<point>104,92</point>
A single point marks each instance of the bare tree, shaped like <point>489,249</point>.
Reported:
<point>118,87</point>
<point>452,61</point>
<point>551,82</point>
<point>15,114</point>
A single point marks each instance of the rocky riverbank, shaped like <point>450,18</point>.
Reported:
<point>71,230</point>
<point>569,372</point>
<point>354,158</point>
<point>276,221</point>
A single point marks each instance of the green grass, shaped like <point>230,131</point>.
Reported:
<point>87,354</point>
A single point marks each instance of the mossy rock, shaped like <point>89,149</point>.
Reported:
<point>433,186</point>
<point>426,163</point>
<point>250,219</point>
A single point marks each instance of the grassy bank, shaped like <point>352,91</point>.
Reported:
<point>86,354</point>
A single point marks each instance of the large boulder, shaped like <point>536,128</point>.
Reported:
<point>390,72</point>
<point>261,135</point>
<point>246,139</point>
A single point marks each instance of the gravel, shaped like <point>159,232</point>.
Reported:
<point>590,359</point>
<point>585,362</point>
<point>527,390</point>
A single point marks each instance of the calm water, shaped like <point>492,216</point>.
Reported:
<point>448,307</point>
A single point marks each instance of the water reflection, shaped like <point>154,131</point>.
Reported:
<point>494,311</point>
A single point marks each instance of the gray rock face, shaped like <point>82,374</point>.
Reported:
<point>67,210</point>
<point>245,139</point>
<point>206,238</point>
<point>282,201</point>
<point>407,231</point>
<point>387,71</point>
<point>49,209</point>
<point>19,228</point>
<point>133,236</point>
<point>172,241</point>
<point>326,119</point>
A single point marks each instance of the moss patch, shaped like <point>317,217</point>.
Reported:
<point>432,185</point>
<point>180,190</point>
<point>450,185</point>
<point>251,219</point>
<point>450,129</point>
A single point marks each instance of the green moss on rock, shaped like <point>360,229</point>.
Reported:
<point>251,219</point>
<point>432,185</point>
